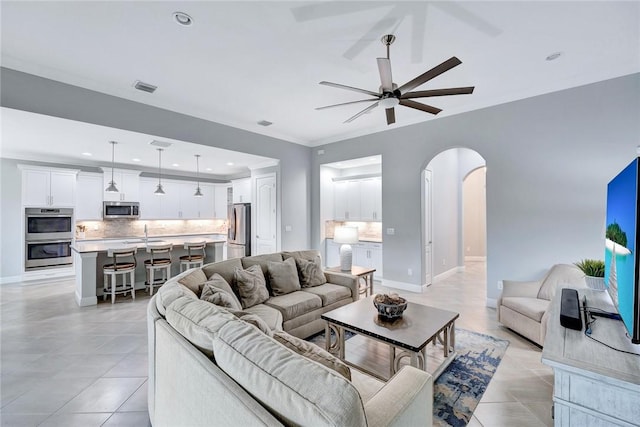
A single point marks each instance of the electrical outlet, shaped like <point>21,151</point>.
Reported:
<point>444,262</point>
<point>499,285</point>
<point>320,152</point>
<point>391,231</point>
<point>468,248</point>
<point>287,228</point>
<point>409,272</point>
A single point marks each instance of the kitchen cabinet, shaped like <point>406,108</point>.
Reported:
<point>241,190</point>
<point>48,187</point>
<point>89,197</point>
<point>150,203</point>
<point>367,254</point>
<point>178,202</point>
<point>371,199</point>
<point>127,182</point>
<point>347,203</point>
<point>332,253</point>
<point>221,201</point>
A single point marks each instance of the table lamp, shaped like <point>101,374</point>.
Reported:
<point>347,236</point>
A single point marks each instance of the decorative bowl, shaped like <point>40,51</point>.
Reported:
<point>390,306</point>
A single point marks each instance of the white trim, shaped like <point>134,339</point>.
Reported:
<point>448,273</point>
<point>492,303</point>
<point>265,164</point>
<point>403,286</point>
<point>10,279</point>
<point>83,302</point>
<point>475,258</point>
<point>62,273</point>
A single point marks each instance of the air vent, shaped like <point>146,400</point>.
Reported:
<point>264,123</point>
<point>145,87</point>
<point>161,144</point>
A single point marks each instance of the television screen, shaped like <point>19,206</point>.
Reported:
<point>621,256</point>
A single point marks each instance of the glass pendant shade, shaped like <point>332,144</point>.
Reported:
<point>159,190</point>
<point>198,193</point>
<point>112,185</point>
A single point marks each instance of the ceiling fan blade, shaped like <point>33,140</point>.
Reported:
<point>391,116</point>
<point>366,110</point>
<point>346,103</point>
<point>428,75</point>
<point>355,89</point>
<point>438,92</point>
<point>384,66</point>
<point>419,106</point>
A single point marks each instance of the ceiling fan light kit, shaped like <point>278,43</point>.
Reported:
<point>390,95</point>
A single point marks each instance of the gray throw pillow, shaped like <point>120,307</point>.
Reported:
<point>313,352</point>
<point>194,280</point>
<point>255,320</point>
<point>217,291</point>
<point>283,277</point>
<point>310,272</point>
<point>252,286</point>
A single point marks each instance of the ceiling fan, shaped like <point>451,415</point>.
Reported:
<point>390,94</point>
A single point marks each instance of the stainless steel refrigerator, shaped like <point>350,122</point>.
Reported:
<point>239,234</point>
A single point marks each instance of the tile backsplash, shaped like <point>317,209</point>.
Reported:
<point>368,231</point>
<point>129,228</point>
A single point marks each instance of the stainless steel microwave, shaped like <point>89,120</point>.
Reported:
<point>116,210</point>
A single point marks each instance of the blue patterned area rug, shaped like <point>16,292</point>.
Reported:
<point>457,392</point>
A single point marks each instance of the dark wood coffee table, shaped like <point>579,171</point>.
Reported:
<point>406,337</point>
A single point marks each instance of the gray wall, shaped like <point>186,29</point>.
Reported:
<point>31,93</point>
<point>549,159</point>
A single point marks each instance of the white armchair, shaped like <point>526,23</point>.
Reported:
<point>523,306</point>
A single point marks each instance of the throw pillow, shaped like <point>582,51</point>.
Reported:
<point>255,320</point>
<point>310,272</point>
<point>217,291</point>
<point>283,277</point>
<point>252,286</point>
<point>313,352</point>
<point>193,280</point>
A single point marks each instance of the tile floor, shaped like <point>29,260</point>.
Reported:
<point>63,365</point>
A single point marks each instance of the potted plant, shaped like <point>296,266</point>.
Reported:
<point>594,272</point>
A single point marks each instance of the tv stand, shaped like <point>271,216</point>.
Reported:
<point>593,384</point>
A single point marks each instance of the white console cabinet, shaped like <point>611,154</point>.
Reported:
<point>594,385</point>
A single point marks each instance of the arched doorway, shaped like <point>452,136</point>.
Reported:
<point>444,203</point>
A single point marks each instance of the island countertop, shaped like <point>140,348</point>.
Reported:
<point>106,244</point>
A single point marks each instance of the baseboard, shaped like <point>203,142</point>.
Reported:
<point>83,302</point>
<point>475,258</point>
<point>10,279</point>
<point>492,303</point>
<point>403,286</point>
<point>448,273</point>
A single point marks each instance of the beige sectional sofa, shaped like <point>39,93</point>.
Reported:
<point>210,364</point>
<point>524,306</point>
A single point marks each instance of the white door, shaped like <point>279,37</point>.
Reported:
<point>266,221</point>
<point>428,243</point>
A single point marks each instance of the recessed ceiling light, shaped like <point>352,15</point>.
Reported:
<point>265,123</point>
<point>554,56</point>
<point>136,159</point>
<point>175,165</point>
<point>87,154</point>
<point>182,19</point>
<point>229,163</point>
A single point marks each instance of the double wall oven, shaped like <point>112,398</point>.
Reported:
<point>48,237</point>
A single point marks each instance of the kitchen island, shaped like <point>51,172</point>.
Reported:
<point>90,256</point>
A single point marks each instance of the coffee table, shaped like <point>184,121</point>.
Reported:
<point>406,337</point>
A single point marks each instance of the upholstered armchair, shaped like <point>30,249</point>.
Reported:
<point>523,306</point>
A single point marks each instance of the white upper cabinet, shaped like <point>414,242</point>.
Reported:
<point>48,187</point>
<point>127,182</point>
<point>150,203</point>
<point>89,196</point>
<point>221,201</point>
<point>371,199</point>
<point>241,190</point>
<point>179,201</point>
<point>347,200</point>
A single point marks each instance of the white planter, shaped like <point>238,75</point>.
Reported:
<point>596,283</point>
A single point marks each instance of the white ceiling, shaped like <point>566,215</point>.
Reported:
<point>242,62</point>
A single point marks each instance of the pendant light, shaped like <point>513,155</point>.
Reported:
<point>112,185</point>
<point>159,191</point>
<point>198,193</point>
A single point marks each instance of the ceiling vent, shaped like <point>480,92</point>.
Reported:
<point>161,144</point>
<point>145,87</point>
<point>265,123</point>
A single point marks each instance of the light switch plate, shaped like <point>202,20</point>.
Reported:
<point>287,228</point>
<point>391,231</point>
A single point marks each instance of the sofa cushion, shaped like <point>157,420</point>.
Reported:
<point>283,277</point>
<point>217,291</point>
<point>252,286</point>
<point>313,352</point>
<point>270,315</point>
<point>309,255</point>
<point>169,292</point>
<point>272,374</point>
<point>261,260</point>
<point>193,280</point>
<point>330,293</point>
<point>198,321</point>
<point>255,320</point>
<point>533,308</point>
<point>310,272</point>
<point>225,268</point>
<point>560,276</point>
<point>294,304</point>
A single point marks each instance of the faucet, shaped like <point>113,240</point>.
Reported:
<point>146,236</point>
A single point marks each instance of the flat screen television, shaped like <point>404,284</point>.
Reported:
<point>622,274</point>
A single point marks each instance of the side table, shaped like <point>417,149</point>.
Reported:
<point>364,273</point>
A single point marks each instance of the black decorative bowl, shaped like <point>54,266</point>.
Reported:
<point>390,311</point>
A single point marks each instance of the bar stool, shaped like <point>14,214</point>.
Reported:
<point>193,257</point>
<point>160,260</point>
<point>123,263</point>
